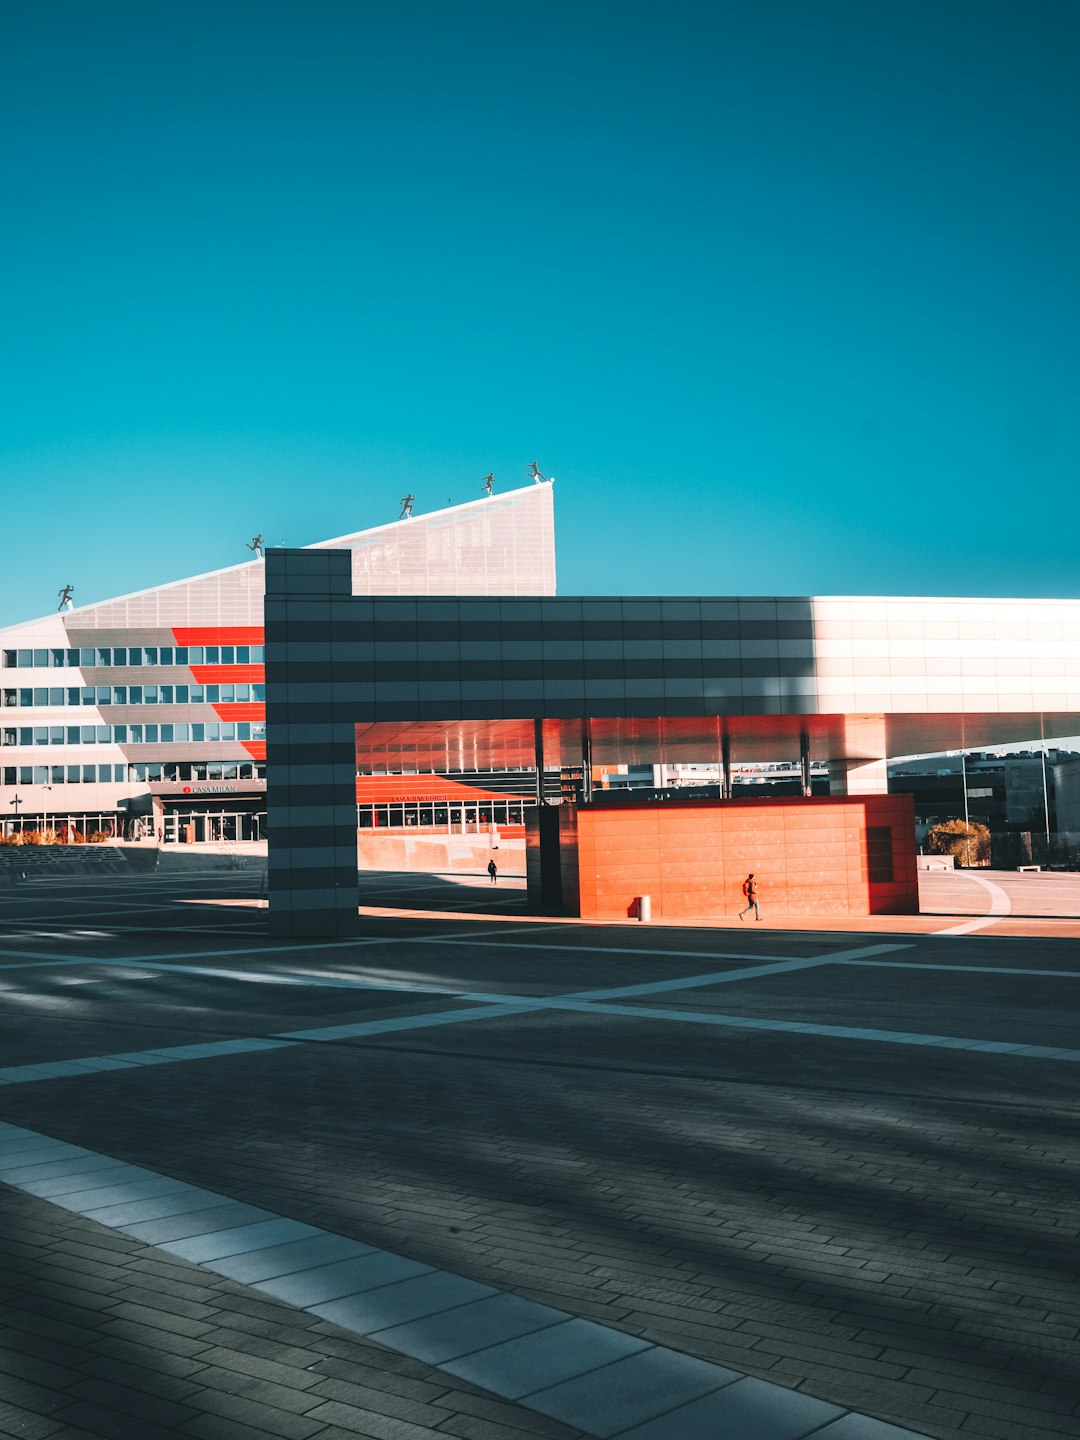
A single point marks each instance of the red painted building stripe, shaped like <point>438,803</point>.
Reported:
<point>240,710</point>
<point>255,748</point>
<point>223,674</point>
<point>218,634</point>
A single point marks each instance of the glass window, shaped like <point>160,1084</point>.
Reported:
<point>198,771</point>
<point>89,695</point>
<point>166,694</point>
<point>213,770</point>
<point>243,730</point>
<point>8,737</point>
<point>135,695</point>
<point>230,772</point>
<point>11,658</point>
<point>151,654</point>
<point>135,734</point>
<point>74,774</point>
<point>150,694</point>
<point>153,772</point>
<point>166,655</point>
<point>41,775</point>
<point>104,694</point>
<point>135,656</point>
<point>74,695</point>
<point>166,734</point>
<point>41,734</point>
<point>26,697</point>
<point>120,734</point>
<point>41,695</point>
<point>10,697</point>
<point>119,657</point>
<point>56,773</point>
<point>184,654</point>
<point>227,653</point>
<point>73,734</point>
<point>213,694</point>
<point>26,657</point>
<point>211,652</point>
<point>150,732</point>
<point>243,654</point>
<point>181,694</point>
<point>198,733</point>
<point>56,695</point>
<point>26,775</point>
<point>26,735</point>
<point>104,734</point>
<point>9,775</point>
<point>56,658</point>
<point>197,695</point>
<point>41,659</point>
<point>258,692</point>
<point>89,774</point>
<point>56,734</point>
<point>74,656</point>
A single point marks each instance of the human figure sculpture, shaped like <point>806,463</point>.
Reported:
<point>65,594</point>
<point>256,544</point>
<point>406,507</point>
<point>489,481</point>
<point>534,471</point>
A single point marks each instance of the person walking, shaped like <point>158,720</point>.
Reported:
<point>493,869</point>
<point>750,890</point>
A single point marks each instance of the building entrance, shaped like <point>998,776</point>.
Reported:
<point>206,827</point>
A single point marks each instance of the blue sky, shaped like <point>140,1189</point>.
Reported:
<point>785,294</point>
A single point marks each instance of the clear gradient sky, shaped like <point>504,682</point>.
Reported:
<point>784,294</point>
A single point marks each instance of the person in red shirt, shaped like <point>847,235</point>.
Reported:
<point>750,890</point>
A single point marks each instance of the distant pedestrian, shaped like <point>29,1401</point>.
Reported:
<point>750,890</point>
<point>493,870</point>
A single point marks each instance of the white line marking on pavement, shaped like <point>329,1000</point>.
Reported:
<point>962,969</point>
<point>798,1027</point>
<point>968,926</point>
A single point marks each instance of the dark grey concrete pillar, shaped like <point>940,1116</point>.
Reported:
<point>310,749</point>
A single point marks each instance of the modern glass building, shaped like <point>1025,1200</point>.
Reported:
<point>148,712</point>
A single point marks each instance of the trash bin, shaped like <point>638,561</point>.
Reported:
<point>644,907</point>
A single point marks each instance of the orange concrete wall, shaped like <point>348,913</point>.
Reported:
<point>809,855</point>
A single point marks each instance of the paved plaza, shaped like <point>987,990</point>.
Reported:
<point>487,1176</point>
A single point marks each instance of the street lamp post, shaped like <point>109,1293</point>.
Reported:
<point>18,800</point>
<point>45,815</point>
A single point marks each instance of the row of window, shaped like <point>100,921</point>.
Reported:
<point>121,656</point>
<point>132,694</point>
<point>119,774</point>
<point>30,736</point>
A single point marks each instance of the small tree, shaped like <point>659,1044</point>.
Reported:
<point>969,842</point>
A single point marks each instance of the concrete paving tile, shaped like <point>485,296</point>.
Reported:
<point>287,1259</point>
<point>175,1203</point>
<point>209,1220</point>
<point>391,1305</point>
<point>344,1277</point>
<point>68,1176</point>
<point>235,1242</point>
<point>544,1358</point>
<point>137,1188</point>
<point>607,1401</point>
<point>469,1327</point>
<point>747,1408</point>
<point>24,1163</point>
